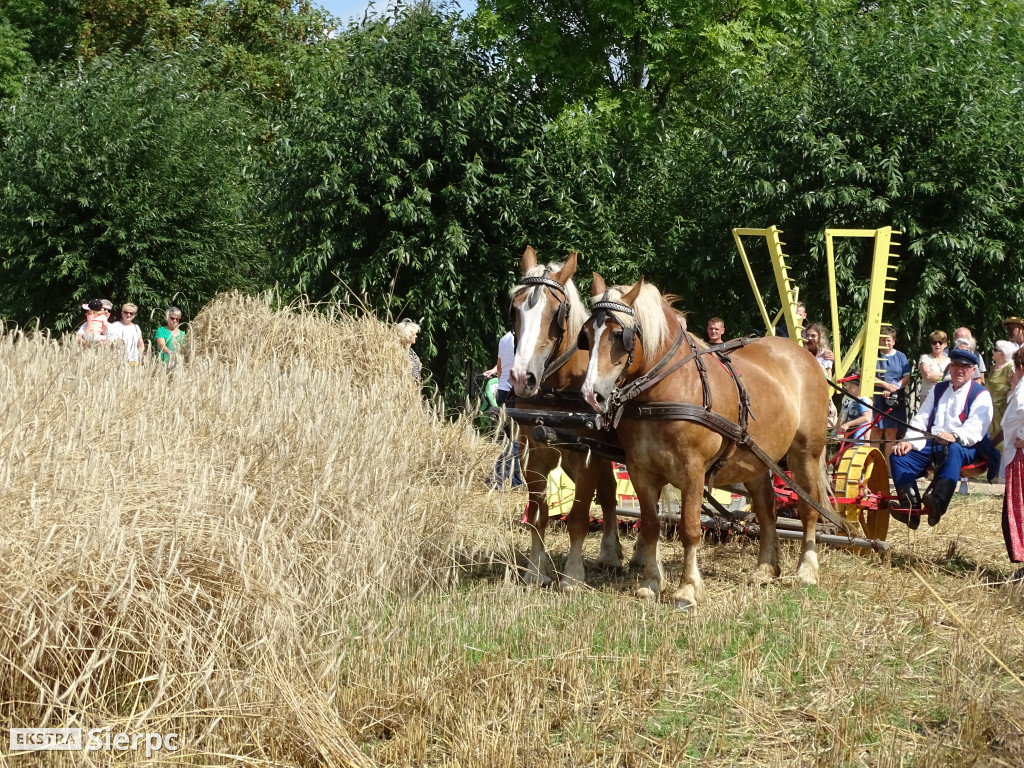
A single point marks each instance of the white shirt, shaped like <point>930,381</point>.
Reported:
<point>947,416</point>
<point>506,356</point>
<point>1013,426</point>
<point>130,335</point>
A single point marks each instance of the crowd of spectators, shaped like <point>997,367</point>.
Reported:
<point>100,329</point>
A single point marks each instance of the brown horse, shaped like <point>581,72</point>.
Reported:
<point>548,315</point>
<point>633,333</point>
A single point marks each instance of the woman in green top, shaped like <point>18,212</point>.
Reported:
<point>170,337</point>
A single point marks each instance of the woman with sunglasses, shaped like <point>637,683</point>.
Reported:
<point>933,364</point>
<point>170,337</point>
<point>126,332</point>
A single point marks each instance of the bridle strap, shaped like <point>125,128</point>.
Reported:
<point>612,306</point>
<point>548,282</point>
<point>550,366</point>
<point>559,361</point>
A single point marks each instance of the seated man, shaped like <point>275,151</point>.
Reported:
<point>956,414</point>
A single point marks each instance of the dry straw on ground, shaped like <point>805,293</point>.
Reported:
<point>194,550</point>
<point>281,553</point>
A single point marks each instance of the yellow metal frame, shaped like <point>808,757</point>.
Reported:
<point>789,292</point>
<point>880,285</point>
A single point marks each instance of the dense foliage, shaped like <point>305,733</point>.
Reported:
<point>157,149</point>
<point>904,115</point>
<point>404,180</point>
<point>126,179</point>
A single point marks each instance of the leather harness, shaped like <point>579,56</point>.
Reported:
<point>736,434</point>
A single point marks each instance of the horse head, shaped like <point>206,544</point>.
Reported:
<point>625,321</point>
<point>547,314</point>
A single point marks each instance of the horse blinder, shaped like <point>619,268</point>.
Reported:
<point>629,339</point>
<point>562,314</point>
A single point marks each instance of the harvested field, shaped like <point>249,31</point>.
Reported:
<point>281,554</point>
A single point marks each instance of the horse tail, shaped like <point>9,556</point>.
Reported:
<point>824,482</point>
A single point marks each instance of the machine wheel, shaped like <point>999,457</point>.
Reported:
<point>863,469</point>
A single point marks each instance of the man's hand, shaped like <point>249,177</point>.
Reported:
<point>490,373</point>
<point>945,437</point>
<point>901,448</point>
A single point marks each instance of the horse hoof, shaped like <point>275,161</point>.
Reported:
<point>685,605</point>
<point>807,580</point>
<point>533,580</point>
<point>759,578</point>
<point>646,593</point>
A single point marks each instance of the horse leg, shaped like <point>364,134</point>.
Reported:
<point>809,472</point>
<point>537,519</point>
<point>577,522</point>
<point>611,548</point>
<point>646,549</point>
<point>691,587</point>
<point>762,500</point>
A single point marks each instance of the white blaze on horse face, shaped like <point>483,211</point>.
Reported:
<point>531,315</point>
<point>592,373</point>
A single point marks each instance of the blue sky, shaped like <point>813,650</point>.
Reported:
<point>344,9</point>
<point>347,9</point>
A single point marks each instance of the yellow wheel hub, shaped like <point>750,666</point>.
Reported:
<point>862,470</point>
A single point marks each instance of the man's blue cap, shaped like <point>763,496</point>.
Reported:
<point>963,356</point>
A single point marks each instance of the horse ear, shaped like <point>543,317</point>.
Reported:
<point>634,292</point>
<point>599,287</point>
<point>566,272</point>
<point>529,259</point>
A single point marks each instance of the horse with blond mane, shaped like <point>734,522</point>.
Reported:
<point>548,315</point>
<point>691,415</point>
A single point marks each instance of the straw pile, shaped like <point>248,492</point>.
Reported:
<point>194,550</point>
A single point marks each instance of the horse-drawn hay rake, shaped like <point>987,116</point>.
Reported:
<point>860,476</point>
<point>642,376</point>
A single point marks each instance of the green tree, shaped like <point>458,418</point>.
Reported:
<point>15,61</point>
<point>405,170</point>
<point>50,27</point>
<point>126,179</point>
<point>672,51</point>
<point>898,114</point>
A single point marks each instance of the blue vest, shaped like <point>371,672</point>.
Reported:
<point>940,389</point>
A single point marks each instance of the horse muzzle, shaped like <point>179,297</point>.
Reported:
<point>524,382</point>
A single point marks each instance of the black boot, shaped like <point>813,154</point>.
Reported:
<point>909,500</point>
<point>936,498</point>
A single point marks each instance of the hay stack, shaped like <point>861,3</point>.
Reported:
<point>192,550</point>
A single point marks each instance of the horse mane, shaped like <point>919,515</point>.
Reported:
<point>578,312</point>
<point>651,312</point>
